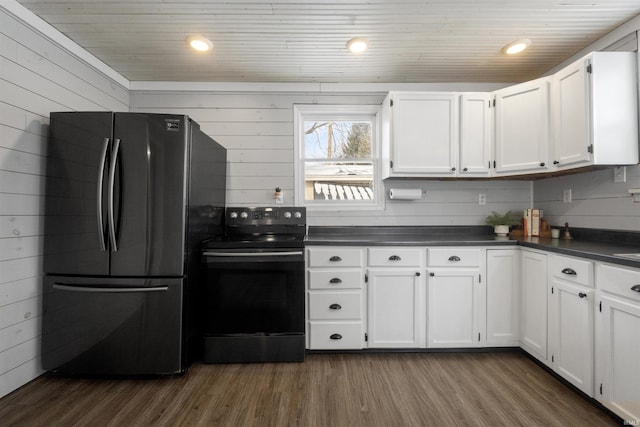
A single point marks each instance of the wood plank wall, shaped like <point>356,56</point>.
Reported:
<point>36,77</point>
<point>257,130</point>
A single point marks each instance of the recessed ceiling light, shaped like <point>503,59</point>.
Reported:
<point>357,45</point>
<point>200,43</point>
<point>516,46</point>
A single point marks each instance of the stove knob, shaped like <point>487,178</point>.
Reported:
<point>233,215</point>
<point>244,215</point>
<point>287,215</point>
<point>298,215</point>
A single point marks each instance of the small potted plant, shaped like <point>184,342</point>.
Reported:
<point>501,223</point>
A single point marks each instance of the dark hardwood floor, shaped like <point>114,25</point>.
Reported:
<point>384,389</point>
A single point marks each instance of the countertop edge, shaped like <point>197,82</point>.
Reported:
<point>599,252</point>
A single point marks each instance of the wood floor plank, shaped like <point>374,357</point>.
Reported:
<point>367,389</point>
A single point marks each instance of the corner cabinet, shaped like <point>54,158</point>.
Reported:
<point>396,298</point>
<point>476,134</point>
<point>503,297</point>
<point>420,134</point>
<point>522,137</point>
<point>595,112</point>
<point>533,305</point>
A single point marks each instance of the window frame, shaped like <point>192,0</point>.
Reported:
<point>306,112</point>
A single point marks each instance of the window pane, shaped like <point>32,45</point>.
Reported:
<point>337,139</point>
<point>352,181</point>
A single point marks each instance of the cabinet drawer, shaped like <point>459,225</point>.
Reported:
<point>336,279</point>
<point>334,257</point>
<point>335,305</point>
<point>573,270</point>
<point>454,257</point>
<point>335,335</point>
<point>619,281</point>
<point>395,257</point>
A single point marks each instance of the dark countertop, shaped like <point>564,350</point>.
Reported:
<point>595,244</point>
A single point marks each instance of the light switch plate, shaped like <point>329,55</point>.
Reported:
<point>482,199</point>
<point>566,196</point>
<point>620,174</point>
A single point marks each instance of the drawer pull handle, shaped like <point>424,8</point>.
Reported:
<point>335,280</point>
<point>582,295</point>
<point>569,271</point>
<point>335,307</point>
<point>336,337</point>
<point>335,258</point>
<point>394,258</point>
<point>455,258</point>
<point>635,288</point>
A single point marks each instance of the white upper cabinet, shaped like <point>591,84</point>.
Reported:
<point>595,113</point>
<point>522,128</point>
<point>476,118</point>
<point>420,134</point>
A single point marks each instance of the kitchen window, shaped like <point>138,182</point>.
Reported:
<point>337,155</point>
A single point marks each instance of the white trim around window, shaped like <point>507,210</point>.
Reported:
<point>307,112</point>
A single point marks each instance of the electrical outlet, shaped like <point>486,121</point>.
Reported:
<point>620,174</point>
<point>482,199</point>
<point>566,196</point>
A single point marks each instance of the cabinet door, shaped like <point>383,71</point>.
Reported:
<point>424,134</point>
<point>475,134</point>
<point>619,344</point>
<point>533,320</point>
<point>571,334</point>
<point>571,100</point>
<point>396,308</point>
<point>503,297</point>
<point>522,128</point>
<point>454,301</point>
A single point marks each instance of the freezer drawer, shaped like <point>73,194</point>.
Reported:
<point>94,326</point>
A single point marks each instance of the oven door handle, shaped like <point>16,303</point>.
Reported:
<point>249,254</point>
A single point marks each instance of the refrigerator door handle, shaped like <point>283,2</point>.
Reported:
<point>110,195</point>
<point>71,288</point>
<point>99,195</point>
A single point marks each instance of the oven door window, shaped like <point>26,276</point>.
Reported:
<point>254,297</point>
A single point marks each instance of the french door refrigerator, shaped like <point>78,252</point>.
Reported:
<point>129,197</point>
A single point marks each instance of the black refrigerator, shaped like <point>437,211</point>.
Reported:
<point>129,198</point>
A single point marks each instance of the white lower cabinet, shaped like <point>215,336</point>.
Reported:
<point>396,298</point>
<point>571,317</point>
<point>335,298</point>
<point>533,307</point>
<point>618,340</point>
<point>455,298</point>
<point>503,298</point>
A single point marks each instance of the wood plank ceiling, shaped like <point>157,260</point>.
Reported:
<point>304,41</point>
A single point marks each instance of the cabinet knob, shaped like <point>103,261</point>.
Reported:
<point>569,271</point>
<point>432,274</point>
<point>335,280</point>
<point>635,288</point>
<point>453,169</point>
<point>417,273</point>
<point>335,307</point>
<point>394,258</point>
<point>542,164</point>
<point>335,258</point>
<point>336,337</point>
<point>582,295</point>
<point>555,162</point>
<point>454,258</point>
<point>465,169</point>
